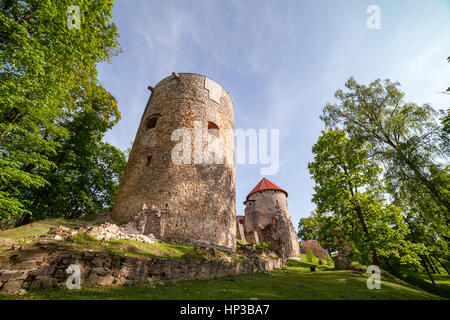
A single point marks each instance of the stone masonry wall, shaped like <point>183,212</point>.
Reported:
<point>42,268</point>
<point>261,207</point>
<point>267,214</point>
<point>196,200</point>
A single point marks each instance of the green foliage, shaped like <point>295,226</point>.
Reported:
<point>407,141</point>
<point>308,228</point>
<point>392,172</point>
<point>262,245</point>
<point>35,229</point>
<point>84,238</point>
<point>53,111</point>
<point>85,183</point>
<point>317,227</point>
<point>309,256</point>
<point>348,189</point>
<point>404,137</point>
<point>330,261</point>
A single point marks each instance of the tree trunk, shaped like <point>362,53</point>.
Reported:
<point>6,5</point>
<point>431,277</point>
<point>425,259</point>
<point>442,264</point>
<point>375,259</point>
<point>358,210</point>
<point>386,260</point>
<point>415,269</point>
<point>434,265</point>
<point>25,219</point>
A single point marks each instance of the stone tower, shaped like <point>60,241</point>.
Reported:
<point>189,201</point>
<point>267,219</point>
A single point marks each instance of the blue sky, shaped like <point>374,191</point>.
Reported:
<point>281,61</point>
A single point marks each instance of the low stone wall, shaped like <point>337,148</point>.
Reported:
<point>45,267</point>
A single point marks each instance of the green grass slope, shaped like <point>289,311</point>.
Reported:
<point>34,229</point>
<point>294,282</point>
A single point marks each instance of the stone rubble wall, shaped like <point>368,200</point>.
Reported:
<point>108,231</point>
<point>315,247</point>
<point>45,266</point>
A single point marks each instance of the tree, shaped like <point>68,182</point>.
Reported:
<point>348,188</point>
<point>404,137</point>
<point>87,171</point>
<point>308,228</point>
<point>45,69</point>
<point>318,227</point>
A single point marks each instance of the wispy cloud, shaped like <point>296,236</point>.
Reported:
<point>281,61</point>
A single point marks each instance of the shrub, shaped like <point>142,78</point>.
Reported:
<point>262,246</point>
<point>84,238</point>
<point>309,256</point>
<point>330,261</point>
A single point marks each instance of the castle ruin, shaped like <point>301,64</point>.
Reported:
<point>267,220</point>
<point>192,201</point>
<point>189,203</point>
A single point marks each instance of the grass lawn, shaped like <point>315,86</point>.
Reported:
<point>35,229</point>
<point>132,248</point>
<point>422,280</point>
<point>295,282</point>
<point>29,234</point>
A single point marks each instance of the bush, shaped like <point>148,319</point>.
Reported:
<point>84,238</point>
<point>330,261</point>
<point>262,246</point>
<point>309,256</point>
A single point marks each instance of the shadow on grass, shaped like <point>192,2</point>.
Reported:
<point>292,284</point>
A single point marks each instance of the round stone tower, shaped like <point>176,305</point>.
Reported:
<point>181,166</point>
<point>267,218</point>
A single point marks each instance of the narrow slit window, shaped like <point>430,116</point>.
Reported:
<point>149,160</point>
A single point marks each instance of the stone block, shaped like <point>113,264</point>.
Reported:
<point>12,287</point>
<point>105,281</point>
<point>10,275</point>
<point>24,265</point>
<point>4,266</point>
<point>101,271</point>
<point>33,255</point>
<point>42,282</point>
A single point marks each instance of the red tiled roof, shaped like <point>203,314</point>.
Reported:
<point>265,184</point>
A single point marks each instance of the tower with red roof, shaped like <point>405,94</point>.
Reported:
<point>267,219</point>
